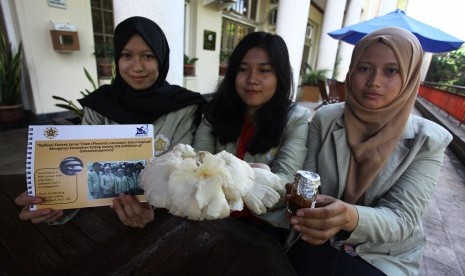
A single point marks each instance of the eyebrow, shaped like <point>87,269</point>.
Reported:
<point>143,51</point>
<point>371,63</point>
<point>261,63</point>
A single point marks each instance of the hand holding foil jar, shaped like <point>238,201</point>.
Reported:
<point>303,191</point>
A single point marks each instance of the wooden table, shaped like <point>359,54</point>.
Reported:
<point>96,243</point>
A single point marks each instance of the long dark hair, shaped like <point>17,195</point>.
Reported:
<point>226,110</point>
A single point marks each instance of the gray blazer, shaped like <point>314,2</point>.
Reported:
<point>284,160</point>
<point>389,234</point>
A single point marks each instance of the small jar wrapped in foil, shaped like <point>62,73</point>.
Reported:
<point>304,191</point>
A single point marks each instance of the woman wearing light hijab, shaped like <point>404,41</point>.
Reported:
<point>121,182</point>
<point>139,94</point>
<point>378,165</point>
<point>107,183</point>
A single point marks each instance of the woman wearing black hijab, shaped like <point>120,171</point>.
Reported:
<point>139,94</point>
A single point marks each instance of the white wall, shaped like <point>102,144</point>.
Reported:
<point>51,72</point>
<point>210,19</point>
<point>293,16</point>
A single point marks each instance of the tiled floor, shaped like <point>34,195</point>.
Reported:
<point>444,220</point>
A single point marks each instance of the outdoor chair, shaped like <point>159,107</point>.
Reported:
<point>341,90</point>
<point>325,96</point>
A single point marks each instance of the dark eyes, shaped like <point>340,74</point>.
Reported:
<point>265,69</point>
<point>393,71</point>
<point>147,56</point>
<point>389,71</point>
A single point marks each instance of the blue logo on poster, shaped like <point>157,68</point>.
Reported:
<point>142,131</point>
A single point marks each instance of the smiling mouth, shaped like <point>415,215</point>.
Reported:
<point>137,77</point>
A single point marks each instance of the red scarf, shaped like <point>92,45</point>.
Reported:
<point>248,131</point>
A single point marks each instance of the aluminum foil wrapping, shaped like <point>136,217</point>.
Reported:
<point>304,191</point>
<point>307,184</point>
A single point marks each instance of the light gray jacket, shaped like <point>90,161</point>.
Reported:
<point>169,130</point>
<point>284,160</point>
<point>389,234</point>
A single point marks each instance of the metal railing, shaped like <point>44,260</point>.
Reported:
<point>452,102</point>
<point>446,87</point>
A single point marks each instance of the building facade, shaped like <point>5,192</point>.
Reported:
<point>61,37</point>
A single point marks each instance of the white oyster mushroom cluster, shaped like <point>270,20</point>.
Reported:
<point>201,185</point>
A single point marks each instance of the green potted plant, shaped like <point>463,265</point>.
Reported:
<point>310,91</point>
<point>224,62</point>
<point>11,109</point>
<point>189,65</point>
<point>105,64</point>
<point>312,76</point>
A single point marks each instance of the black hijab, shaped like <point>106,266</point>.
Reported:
<point>121,103</point>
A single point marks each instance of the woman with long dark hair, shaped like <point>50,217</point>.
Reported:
<point>252,115</point>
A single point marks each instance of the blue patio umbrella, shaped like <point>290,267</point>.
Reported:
<point>432,40</point>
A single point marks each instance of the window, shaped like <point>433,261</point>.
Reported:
<point>309,33</point>
<point>232,33</point>
<point>273,16</point>
<point>245,8</point>
<point>103,26</point>
<point>234,30</point>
